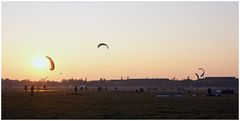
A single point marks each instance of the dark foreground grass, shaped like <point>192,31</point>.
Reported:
<point>115,105</point>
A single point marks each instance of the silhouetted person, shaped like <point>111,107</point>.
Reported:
<point>75,89</point>
<point>232,91</point>
<point>44,87</point>
<point>32,90</point>
<point>227,91</point>
<point>81,88</point>
<point>99,88</point>
<point>25,87</point>
<point>209,91</point>
<point>223,92</point>
<point>141,90</point>
<point>149,90</point>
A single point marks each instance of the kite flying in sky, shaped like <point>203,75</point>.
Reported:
<point>52,63</point>
<point>103,44</point>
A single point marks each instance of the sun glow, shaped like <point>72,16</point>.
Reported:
<point>40,63</point>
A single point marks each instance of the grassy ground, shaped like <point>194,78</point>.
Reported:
<point>114,105</point>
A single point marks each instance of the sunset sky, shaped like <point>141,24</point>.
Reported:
<point>145,39</point>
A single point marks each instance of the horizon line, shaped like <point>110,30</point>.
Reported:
<point>103,79</point>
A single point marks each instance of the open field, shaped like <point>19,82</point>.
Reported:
<point>56,104</point>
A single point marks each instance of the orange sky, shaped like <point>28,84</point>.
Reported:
<point>145,39</point>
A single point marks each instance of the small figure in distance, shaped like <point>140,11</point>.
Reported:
<point>75,89</point>
<point>209,91</point>
<point>99,88</point>
<point>44,87</point>
<point>141,90</point>
<point>232,91</point>
<point>149,90</point>
<point>189,93</point>
<point>5,88</point>
<point>32,90</point>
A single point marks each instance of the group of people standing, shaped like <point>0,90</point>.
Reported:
<point>33,88</point>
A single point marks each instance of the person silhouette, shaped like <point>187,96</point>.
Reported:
<point>44,87</point>
<point>32,90</point>
<point>5,88</point>
<point>209,91</point>
<point>75,89</point>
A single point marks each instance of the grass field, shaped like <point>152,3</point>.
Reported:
<point>56,104</point>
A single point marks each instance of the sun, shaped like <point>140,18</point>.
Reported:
<point>39,63</point>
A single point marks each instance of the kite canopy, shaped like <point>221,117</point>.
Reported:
<point>103,44</point>
<point>51,62</point>
<point>202,73</point>
<point>197,76</point>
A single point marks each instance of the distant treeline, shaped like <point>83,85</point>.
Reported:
<point>224,82</point>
